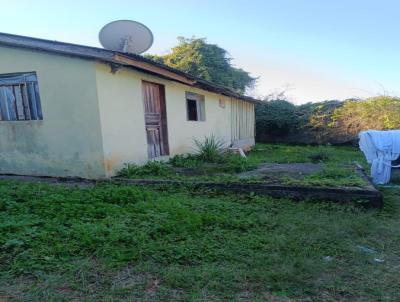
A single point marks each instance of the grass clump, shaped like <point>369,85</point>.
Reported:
<point>319,156</point>
<point>151,168</point>
<point>235,164</point>
<point>330,176</point>
<point>185,161</point>
<point>333,175</point>
<point>210,149</point>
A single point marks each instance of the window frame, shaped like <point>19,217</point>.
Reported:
<point>19,97</point>
<point>200,106</point>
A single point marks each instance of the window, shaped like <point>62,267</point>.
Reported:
<point>195,107</point>
<point>19,97</point>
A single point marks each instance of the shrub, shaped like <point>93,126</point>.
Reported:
<point>210,149</point>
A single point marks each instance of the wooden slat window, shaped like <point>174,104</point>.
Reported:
<point>195,107</point>
<point>19,97</point>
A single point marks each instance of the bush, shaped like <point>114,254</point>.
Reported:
<point>210,149</point>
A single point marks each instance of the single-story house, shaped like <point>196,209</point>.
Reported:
<point>73,110</point>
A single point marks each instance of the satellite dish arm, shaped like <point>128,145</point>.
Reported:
<point>125,48</point>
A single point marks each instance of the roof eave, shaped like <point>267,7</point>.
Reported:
<point>107,56</point>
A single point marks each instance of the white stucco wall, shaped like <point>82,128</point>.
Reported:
<point>68,140</point>
<point>122,116</point>
<point>182,132</point>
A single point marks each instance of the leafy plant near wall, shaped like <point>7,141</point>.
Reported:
<point>210,149</point>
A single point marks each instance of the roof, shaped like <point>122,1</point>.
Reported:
<point>117,59</point>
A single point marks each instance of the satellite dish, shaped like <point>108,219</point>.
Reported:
<point>126,36</point>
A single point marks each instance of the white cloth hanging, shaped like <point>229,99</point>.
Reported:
<point>380,149</point>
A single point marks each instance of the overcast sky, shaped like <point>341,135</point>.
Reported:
<point>314,49</point>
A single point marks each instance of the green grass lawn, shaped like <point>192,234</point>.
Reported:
<point>279,153</point>
<point>128,243</point>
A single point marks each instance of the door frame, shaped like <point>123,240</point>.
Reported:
<point>164,123</point>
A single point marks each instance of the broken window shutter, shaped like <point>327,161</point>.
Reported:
<point>38,102</point>
<point>19,97</point>
<point>32,99</point>
<point>7,104</point>
<point>19,102</point>
<point>3,104</point>
<point>25,99</point>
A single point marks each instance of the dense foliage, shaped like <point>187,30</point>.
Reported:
<point>325,122</point>
<point>276,117</point>
<point>379,113</point>
<point>207,61</point>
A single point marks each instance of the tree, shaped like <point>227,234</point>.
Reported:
<point>207,61</point>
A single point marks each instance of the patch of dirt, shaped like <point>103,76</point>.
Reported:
<point>128,278</point>
<point>14,289</point>
<point>274,172</point>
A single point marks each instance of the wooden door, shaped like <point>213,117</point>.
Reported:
<point>155,119</point>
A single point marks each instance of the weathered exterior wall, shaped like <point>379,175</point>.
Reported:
<point>242,124</point>
<point>122,117</point>
<point>68,140</point>
<point>93,120</point>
